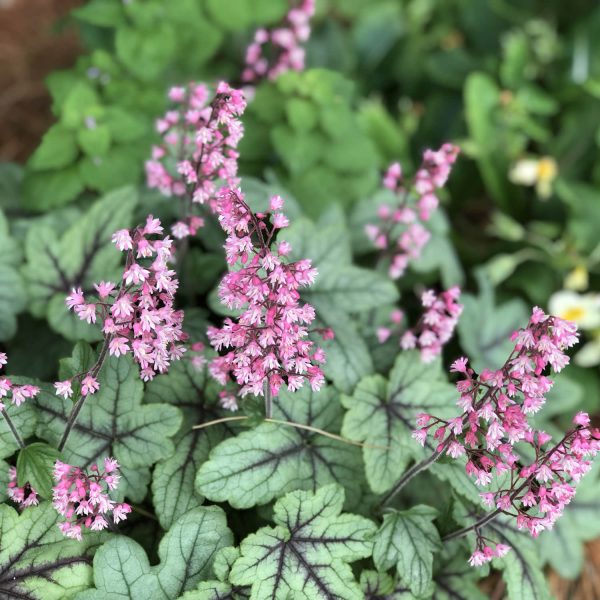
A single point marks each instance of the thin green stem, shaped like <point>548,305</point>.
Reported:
<point>81,401</point>
<point>411,474</point>
<point>13,429</point>
<point>268,400</point>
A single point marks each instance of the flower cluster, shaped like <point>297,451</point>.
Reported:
<point>401,232</point>
<point>284,42</point>
<point>496,406</point>
<point>138,316</point>
<point>200,137</point>
<point>268,340</point>
<point>18,393</point>
<point>26,495</point>
<point>434,328</point>
<point>82,497</point>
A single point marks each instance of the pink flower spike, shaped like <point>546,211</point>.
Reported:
<point>75,298</point>
<point>104,288</point>
<point>459,365</point>
<point>3,359</point>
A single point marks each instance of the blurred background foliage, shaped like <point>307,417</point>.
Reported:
<point>515,83</point>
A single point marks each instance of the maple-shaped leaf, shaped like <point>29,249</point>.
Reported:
<point>261,464</point>
<point>306,554</point>
<point>113,422</point>
<point>82,255</point>
<point>36,561</point>
<point>196,395</point>
<point>407,540</point>
<point>382,413</point>
<point>186,552</point>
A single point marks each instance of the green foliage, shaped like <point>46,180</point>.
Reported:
<point>407,540</point>
<point>122,569</point>
<point>113,422</point>
<point>308,551</point>
<point>34,466</point>
<point>13,296</point>
<point>36,560</point>
<point>80,256</point>
<point>264,463</point>
<point>382,414</point>
<point>309,121</point>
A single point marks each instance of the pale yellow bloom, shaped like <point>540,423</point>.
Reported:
<point>577,279</point>
<point>539,172</point>
<point>581,309</point>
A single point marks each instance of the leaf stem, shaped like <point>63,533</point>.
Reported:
<point>81,401</point>
<point>410,474</point>
<point>13,429</point>
<point>473,527</point>
<point>322,432</point>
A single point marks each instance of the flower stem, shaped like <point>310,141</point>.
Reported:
<point>473,527</point>
<point>81,401</point>
<point>410,474</point>
<point>13,429</point>
<point>268,401</point>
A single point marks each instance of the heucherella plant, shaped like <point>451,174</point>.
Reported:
<point>269,345</point>
<point>401,236</point>
<point>284,44</point>
<point>494,431</point>
<point>200,136</point>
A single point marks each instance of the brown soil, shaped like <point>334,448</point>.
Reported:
<point>35,39</point>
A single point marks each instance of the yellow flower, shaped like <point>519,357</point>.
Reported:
<point>577,279</point>
<point>538,172</point>
<point>581,309</point>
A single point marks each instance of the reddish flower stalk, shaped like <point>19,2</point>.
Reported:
<point>284,42</point>
<point>433,330</point>
<point>267,342</point>
<point>401,234</point>
<point>200,139</point>
<point>137,317</point>
<point>496,405</point>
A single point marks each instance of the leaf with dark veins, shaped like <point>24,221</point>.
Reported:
<point>220,588</point>
<point>306,554</point>
<point>195,394</point>
<point>407,540</point>
<point>24,419</point>
<point>122,570</point>
<point>83,255</point>
<point>36,561</point>
<point>113,422</point>
<point>264,463</point>
<point>382,413</point>
<point>381,586</point>
<point>454,578</point>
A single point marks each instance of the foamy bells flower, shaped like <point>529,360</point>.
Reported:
<point>82,497</point>
<point>16,393</point>
<point>581,309</point>
<point>26,495</point>
<point>436,326</point>
<point>400,234</point>
<point>285,45</point>
<point>138,317</point>
<point>539,172</point>
<point>495,416</point>
<point>268,342</point>
<point>485,553</point>
<point>199,150</point>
